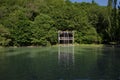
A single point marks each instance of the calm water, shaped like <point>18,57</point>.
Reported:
<point>60,63</point>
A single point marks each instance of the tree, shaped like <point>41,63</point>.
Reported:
<point>4,36</point>
<point>112,14</point>
<point>41,28</point>
<point>93,1</point>
<point>118,29</point>
<point>36,22</point>
<point>19,26</point>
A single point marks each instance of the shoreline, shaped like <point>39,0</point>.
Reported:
<point>83,45</point>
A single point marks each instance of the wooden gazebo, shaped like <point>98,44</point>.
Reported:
<point>65,37</point>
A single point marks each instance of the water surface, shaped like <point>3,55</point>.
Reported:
<point>60,63</point>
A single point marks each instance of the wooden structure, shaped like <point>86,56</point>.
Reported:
<point>66,50</point>
<point>65,37</point>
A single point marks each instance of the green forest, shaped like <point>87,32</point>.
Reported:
<point>36,22</point>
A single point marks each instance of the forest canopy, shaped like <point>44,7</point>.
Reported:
<point>36,22</point>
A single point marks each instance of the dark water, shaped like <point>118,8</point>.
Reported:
<point>60,63</point>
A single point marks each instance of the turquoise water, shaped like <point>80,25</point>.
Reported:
<point>60,63</point>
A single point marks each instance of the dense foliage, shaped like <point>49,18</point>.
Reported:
<point>36,22</point>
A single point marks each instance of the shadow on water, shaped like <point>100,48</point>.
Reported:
<point>60,63</point>
<point>108,66</point>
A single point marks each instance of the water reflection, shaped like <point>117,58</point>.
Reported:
<point>60,63</point>
<point>66,55</point>
<point>66,62</point>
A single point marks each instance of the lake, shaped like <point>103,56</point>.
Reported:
<point>60,63</point>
